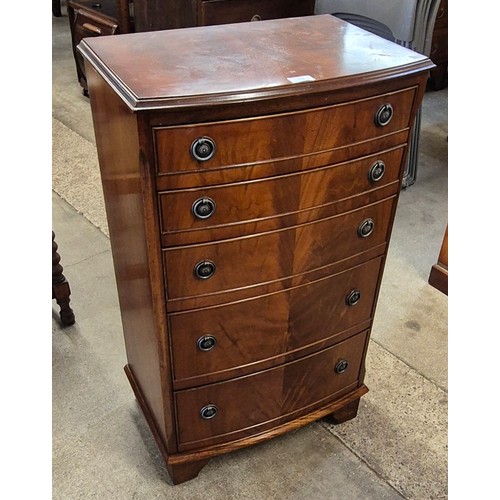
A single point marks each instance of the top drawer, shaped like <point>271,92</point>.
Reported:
<point>88,23</point>
<point>236,11</point>
<point>216,145</point>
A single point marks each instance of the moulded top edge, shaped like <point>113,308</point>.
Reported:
<point>245,61</point>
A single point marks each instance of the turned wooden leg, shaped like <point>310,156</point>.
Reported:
<point>179,473</point>
<point>60,287</point>
<point>345,413</point>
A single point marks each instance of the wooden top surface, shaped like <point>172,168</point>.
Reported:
<point>239,62</point>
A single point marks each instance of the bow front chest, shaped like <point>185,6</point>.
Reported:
<point>251,174</point>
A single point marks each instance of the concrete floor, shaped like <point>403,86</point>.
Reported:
<point>102,448</point>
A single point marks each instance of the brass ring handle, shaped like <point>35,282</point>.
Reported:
<point>256,17</point>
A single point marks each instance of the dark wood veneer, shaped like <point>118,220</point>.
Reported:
<point>290,182</point>
<point>263,198</point>
<point>279,136</point>
<point>254,402</point>
<point>286,323</point>
<point>283,253</point>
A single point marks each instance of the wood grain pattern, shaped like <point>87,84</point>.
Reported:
<point>289,179</point>
<point>286,323</point>
<point>268,224</point>
<point>239,203</point>
<point>333,55</point>
<point>135,251</point>
<point>282,166</point>
<point>281,253</point>
<point>233,296</point>
<point>281,136</point>
<point>203,454</point>
<point>251,404</point>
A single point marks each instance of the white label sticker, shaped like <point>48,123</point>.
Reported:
<point>300,79</point>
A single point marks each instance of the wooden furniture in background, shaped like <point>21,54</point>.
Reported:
<point>60,287</point>
<point>439,50</point>
<point>438,277</point>
<point>91,18</point>
<point>250,201</point>
<point>167,14</point>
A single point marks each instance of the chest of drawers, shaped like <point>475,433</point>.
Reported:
<point>251,174</point>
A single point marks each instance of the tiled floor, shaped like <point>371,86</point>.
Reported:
<point>102,448</point>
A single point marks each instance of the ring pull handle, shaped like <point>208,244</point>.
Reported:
<point>203,148</point>
<point>353,297</point>
<point>341,366</point>
<point>203,208</point>
<point>256,17</point>
<point>384,115</point>
<point>377,171</point>
<point>366,228</point>
<point>208,412</point>
<point>204,269</point>
<point>206,343</point>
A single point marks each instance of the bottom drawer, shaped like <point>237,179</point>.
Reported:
<point>248,405</point>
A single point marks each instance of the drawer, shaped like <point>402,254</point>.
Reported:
<point>190,179</point>
<point>242,262</point>
<point>218,145</point>
<point>236,11</point>
<point>88,24</point>
<point>209,344</point>
<point>248,405</point>
<point>196,210</point>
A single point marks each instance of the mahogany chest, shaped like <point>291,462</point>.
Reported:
<point>251,174</point>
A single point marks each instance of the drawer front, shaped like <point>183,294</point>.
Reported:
<point>202,179</point>
<point>236,11</point>
<point>88,24</point>
<point>250,404</point>
<point>204,147</point>
<point>242,262</point>
<point>208,343</point>
<point>197,210</point>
